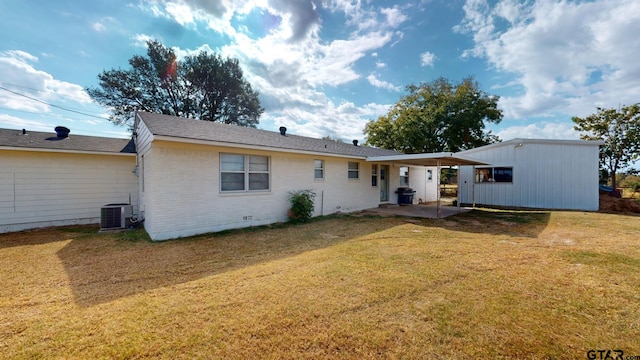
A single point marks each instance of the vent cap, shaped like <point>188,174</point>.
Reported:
<point>62,132</point>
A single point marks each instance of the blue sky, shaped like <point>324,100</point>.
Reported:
<point>326,67</point>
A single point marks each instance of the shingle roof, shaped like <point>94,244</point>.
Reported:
<point>181,128</point>
<point>50,141</point>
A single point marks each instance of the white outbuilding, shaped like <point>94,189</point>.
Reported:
<point>530,173</point>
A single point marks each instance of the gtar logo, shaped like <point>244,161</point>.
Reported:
<point>605,354</point>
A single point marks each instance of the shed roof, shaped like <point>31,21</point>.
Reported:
<point>430,159</point>
<point>520,142</point>
<point>189,130</point>
<point>43,141</point>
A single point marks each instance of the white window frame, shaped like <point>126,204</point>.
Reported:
<point>351,170</point>
<point>374,175</point>
<point>317,169</point>
<point>404,176</point>
<point>247,171</point>
<point>486,175</point>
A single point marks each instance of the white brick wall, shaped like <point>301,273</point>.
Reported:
<point>40,189</point>
<point>182,189</point>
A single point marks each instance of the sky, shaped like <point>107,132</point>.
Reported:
<point>327,67</point>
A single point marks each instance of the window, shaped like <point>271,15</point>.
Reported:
<point>354,170</point>
<point>244,172</point>
<point>318,169</point>
<point>429,175</point>
<point>374,175</point>
<point>494,174</point>
<point>404,176</point>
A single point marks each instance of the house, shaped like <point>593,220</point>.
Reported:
<point>527,173</point>
<point>186,177</point>
<point>198,176</point>
<point>51,179</point>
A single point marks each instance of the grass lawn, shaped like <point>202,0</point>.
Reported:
<point>484,284</point>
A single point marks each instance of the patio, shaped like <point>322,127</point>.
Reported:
<point>429,210</point>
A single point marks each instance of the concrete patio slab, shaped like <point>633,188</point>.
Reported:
<point>428,211</point>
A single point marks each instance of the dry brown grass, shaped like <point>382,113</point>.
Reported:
<point>486,284</point>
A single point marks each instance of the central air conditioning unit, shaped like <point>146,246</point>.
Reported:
<point>115,216</point>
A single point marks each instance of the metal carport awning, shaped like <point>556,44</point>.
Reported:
<point>430,159</point>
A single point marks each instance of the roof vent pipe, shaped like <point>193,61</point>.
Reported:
<point>355,142</point>
<point>24,131</point>
<point>62,132</point>
<point>283,131</point>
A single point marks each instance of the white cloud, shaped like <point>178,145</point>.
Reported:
<point>373,80</point>
<point>394,16</point>
<point>299,19</point>
<point>427,59</point>
<point>140,40</point>
<point>99,27</point>
<point>344,121</point>
<point>13,122</point>
<point>181,53</point>
<point>180,12</point>
<point>380,65</point>
<point>17,72</point>
<point>291,75</point>
<point>542,130</point>
<point>566,57</point>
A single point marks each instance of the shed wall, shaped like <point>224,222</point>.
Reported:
<point>548,176</point>
<point>40,189</point>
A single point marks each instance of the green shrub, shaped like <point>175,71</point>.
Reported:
<point>301,206</point>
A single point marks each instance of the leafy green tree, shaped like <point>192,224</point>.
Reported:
<point>202,86</point>
<point>620,131</point>
<point>436,117</point>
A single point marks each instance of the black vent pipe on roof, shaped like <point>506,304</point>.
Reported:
<point>355,142</point>
<point>283,131</point>
<point>62,132</point>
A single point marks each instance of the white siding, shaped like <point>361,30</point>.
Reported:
<point>143,139</point>
<point>46,188</point>
<point>426,190</point>
<point>546,175</point>
<point>183,198</point>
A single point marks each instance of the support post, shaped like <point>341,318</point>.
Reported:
<point>439,163</point>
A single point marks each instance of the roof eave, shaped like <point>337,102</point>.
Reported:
<point>85,152</point>
<point>518,141</point>
<point>428,159</point>
<point>252,147</point>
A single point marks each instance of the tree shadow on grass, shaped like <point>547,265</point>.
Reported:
<point>101,269</point>
<point>517,223</point>
<point>104,267</point>
<point>520,223</point>
<point>46,235</point>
